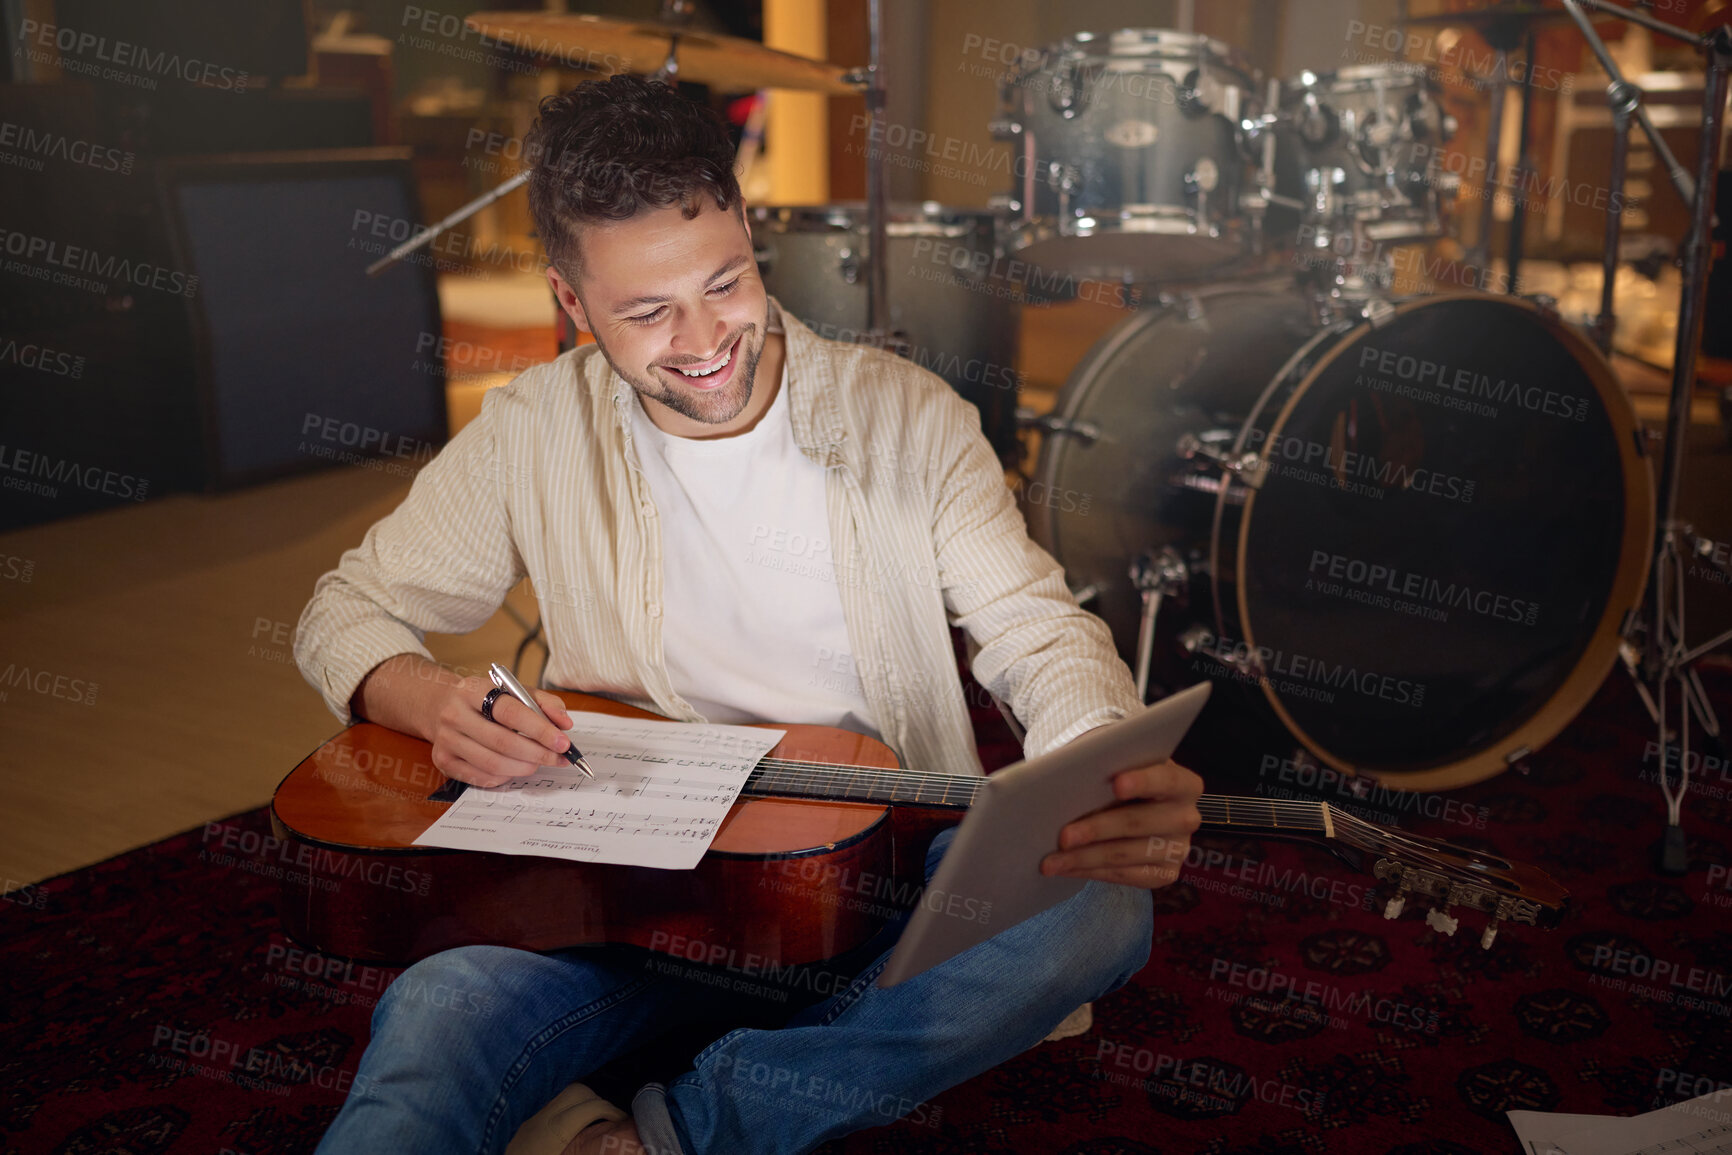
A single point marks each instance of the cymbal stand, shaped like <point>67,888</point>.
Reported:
<point>1523,165</point>
<point>1624,100</point>
<point>676,12</point>
<point>1479,256</point>
<point>877,214</point>
<point>1665,654</point>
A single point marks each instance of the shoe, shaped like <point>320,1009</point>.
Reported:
<point>549,1130</point>
<point>1076,1023</point>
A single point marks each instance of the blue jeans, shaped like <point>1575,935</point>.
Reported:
<point>469,1043</point>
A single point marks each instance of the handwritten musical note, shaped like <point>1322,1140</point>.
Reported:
<point>660,793</point>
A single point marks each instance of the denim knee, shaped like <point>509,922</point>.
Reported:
<point>464,979</point>
<point>1113,928</point>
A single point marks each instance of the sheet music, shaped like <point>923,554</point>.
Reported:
<point>660,792</point>
<point>1700,1126</point>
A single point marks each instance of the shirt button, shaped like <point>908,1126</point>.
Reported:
<point>655,609</point>
<point>648,509</point>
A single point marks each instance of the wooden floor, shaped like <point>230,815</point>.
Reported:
<point>175,620</point>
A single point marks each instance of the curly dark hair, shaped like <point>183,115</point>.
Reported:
<point>609,149</point>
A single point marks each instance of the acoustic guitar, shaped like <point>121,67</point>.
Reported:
<point>826,843</point>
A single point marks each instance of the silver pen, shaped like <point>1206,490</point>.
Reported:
<point>505,680</point>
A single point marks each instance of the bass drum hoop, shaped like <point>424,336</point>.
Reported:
<point>1628,584</point>
<point>1042,522</point>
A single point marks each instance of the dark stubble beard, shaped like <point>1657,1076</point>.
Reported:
<point>710,408</point>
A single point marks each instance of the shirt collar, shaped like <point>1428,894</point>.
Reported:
<point>809,377</point>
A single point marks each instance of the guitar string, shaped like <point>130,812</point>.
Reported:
<point>1407,843</point>
<point>832,772</point>
<point>823,773</point>
<point>773,772</point>
<point>1301,815</point>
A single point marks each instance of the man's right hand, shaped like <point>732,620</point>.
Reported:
<point>419,697</point>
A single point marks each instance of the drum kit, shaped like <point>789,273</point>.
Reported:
<point>1416,533</point>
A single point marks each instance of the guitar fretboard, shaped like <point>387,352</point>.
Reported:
<point>795,779</point>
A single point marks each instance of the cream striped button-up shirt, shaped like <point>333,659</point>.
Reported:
<point>545,483</point>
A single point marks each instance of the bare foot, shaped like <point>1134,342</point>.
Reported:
<point>615,1138</point>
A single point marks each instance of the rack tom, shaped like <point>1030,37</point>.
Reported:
<point>1126,155</point>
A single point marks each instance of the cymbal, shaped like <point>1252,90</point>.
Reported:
<point>610,45</point>
<point>1495,14</point>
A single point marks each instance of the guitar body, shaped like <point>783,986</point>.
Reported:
<point>824,846</point>
<point>786,881</point>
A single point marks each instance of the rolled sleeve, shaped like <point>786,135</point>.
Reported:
<point>442,561</point>
<point>1052,662</point>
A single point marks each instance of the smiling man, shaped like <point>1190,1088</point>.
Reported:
<point>725,518</point>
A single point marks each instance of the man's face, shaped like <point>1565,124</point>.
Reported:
<point>666,297</point>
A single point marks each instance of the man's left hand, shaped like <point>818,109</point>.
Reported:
<point>1142,839</point>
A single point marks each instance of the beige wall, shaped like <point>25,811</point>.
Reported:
<point>962,70</point>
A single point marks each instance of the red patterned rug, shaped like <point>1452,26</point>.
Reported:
<point>154,1005</point>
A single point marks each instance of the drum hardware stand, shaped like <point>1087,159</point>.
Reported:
<point>1085,431</point>
<point>1156,577</point>
<point>675,13</point>
<point>1479,256</point>
<point>1503,35</point>
<point>454,219</point>
<point>1523,165</point>
<point>1665,653</point>
<point>1086,594</point>
<point>1625,101</point>
<point>877,226</point>
<point>1261,130</point>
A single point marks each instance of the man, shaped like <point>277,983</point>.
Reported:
<point>712,504</point>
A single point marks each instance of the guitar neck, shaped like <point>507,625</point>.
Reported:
<point>1221,812</point>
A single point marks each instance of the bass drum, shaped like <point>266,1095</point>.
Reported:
<point>1413,541</point>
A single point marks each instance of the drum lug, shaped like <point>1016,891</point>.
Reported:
<point>1247,467</point>
<point>1004,128</point>
<point>1188,305</point>
<point>1546,304</point>
<point>1052,423</point>
<point>1071,90</point>
<point>1240,660</point>
<point>848,264</point>
<point>1379,312</point>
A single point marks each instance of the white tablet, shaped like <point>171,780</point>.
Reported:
<point>989,878</point>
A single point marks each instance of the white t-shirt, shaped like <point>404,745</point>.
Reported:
<point>752,625</point>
